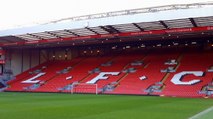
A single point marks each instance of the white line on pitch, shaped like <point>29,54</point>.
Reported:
<point>201,113</point>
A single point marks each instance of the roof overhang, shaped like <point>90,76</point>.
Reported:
<point>174,19</point>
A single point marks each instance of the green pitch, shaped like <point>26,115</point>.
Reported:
<point>67,106</point>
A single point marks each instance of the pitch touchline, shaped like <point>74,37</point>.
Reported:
<point>201,113</point>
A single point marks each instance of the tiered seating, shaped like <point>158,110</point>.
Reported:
<point>89,72</point>
<point>150,73</point>
<point>119,63</point>
<point>60,80</point>
<point>153,63</point>
<point>81,72</point>
<point>78,72</point>
<point>51,74</point>
<point>191,62</point>
<point>16,85</point>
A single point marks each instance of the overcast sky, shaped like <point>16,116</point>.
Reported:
<point>16,13</point>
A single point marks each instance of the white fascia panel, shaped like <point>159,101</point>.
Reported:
<point>125,19</point>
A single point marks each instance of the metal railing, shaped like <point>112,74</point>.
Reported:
<point>136,11</point>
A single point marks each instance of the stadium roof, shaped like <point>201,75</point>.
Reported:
<point>170,19</point>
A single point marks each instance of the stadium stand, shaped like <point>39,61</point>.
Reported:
<point>191,62</point>
<point>115,53</point>
<point>153,63</point>
<point>16,85</point>
<point>56,73</point>
<point>138,73</point>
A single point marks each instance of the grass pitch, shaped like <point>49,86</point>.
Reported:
<point>67,106</point>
